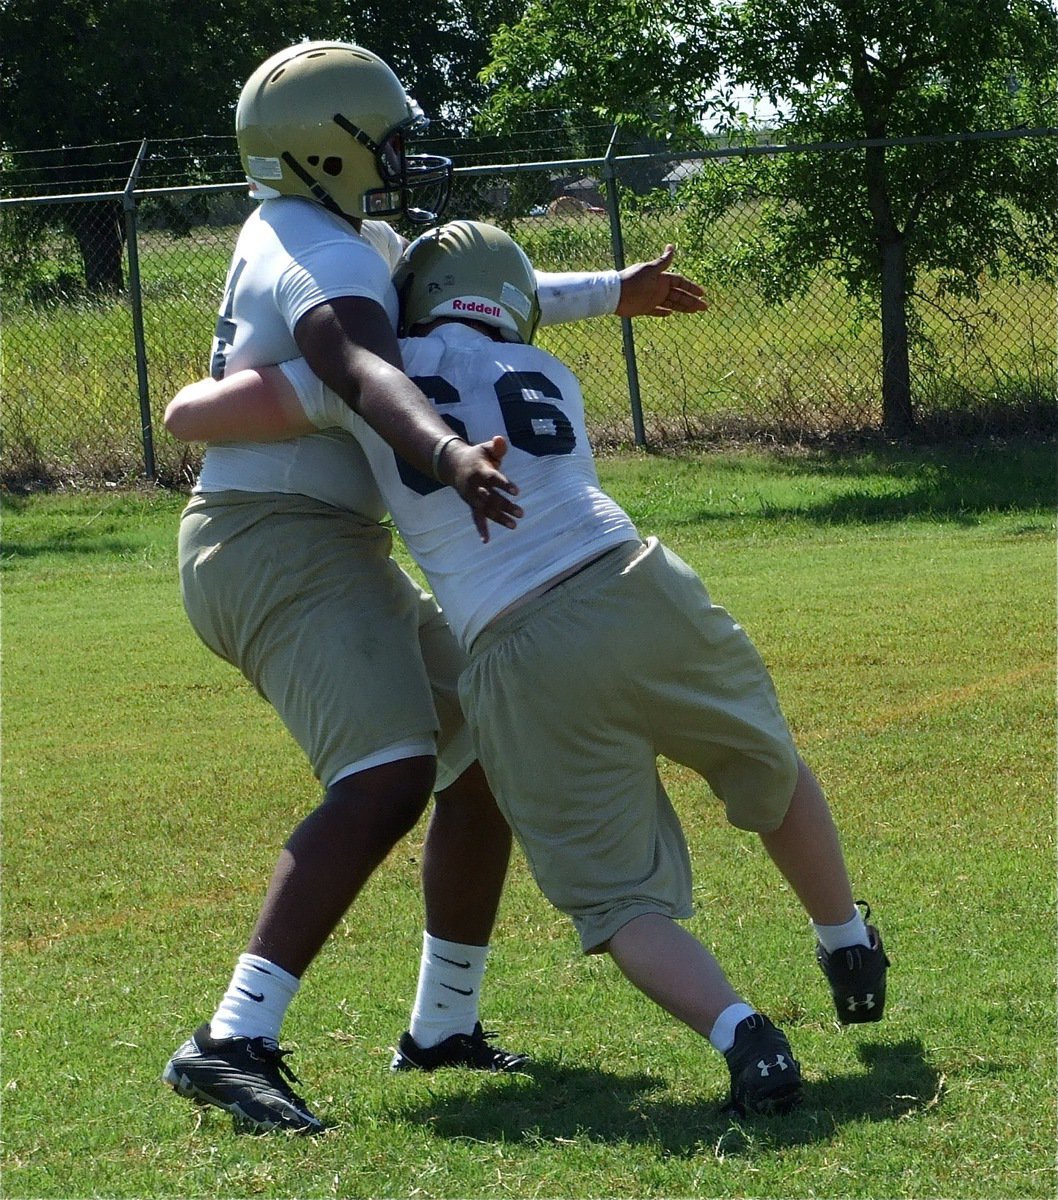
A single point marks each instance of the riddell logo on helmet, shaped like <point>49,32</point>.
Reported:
<point>476,306</point>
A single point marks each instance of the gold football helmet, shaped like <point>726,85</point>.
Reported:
<point>329,121</point>
<point>472,270</point>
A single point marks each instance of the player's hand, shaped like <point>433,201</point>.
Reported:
<point>650,289</point>
<point>473,470</point>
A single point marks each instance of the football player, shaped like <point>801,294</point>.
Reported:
<point>286,571</point>
<point>591,651</point>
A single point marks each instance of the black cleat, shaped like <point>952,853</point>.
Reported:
<point>856,975</point>
<point>765,1076</point>
<point>244,1076</point>
<point>460,1050</point>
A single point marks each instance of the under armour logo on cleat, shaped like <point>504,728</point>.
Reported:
<point>765,1068</point>
<point>867,1002</point>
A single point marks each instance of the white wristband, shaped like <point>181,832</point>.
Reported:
<point>439,449</point>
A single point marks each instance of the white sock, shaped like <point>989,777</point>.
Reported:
<point>722,1035</point>
<point>446,1000</point>
<point>256,1000</point>
<point>837,937</point>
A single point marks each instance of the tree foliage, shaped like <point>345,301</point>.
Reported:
<point>836,70</point>
<point>150,68</point>
<point>131,68</point>
<point>90,80</point>
<point>642,63</point>
<point>905,70</point>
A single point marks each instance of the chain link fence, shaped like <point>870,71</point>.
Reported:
<point>109,298</point>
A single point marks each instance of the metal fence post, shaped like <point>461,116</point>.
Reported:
<point>136,298</point>
<point>627,336</point>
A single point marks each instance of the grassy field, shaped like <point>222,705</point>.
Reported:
<point>904,601</point>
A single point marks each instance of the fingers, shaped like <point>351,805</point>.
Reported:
<point>482,485</point>
<point>497,448</point>
<point>497,507</point>
<point>489,506</point>
<point>649,289</point>
<point>684,295</point>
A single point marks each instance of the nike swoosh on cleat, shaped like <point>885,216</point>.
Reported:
<point>452,962</point>
<point>258,996</point>
<point>461,991</point>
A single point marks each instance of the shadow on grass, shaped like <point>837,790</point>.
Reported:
<point>953,485</point>
<point>563,1103</point>
<point>71,543</point>
<point>947,483</point>
<point>83,529</point>
<point>110,524</point>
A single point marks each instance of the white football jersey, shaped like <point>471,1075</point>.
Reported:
<point>482,388</point>
<point>292,255</point>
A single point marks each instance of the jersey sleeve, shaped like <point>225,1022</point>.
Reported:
<point>323,407</point>
<point>329,270</point>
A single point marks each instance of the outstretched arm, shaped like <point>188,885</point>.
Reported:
<point>645,289</point>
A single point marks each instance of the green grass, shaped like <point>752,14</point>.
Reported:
<point>905,603</point>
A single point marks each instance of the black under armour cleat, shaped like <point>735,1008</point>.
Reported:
<point>765,1076</point>
<point>460,1050</point>
<point>246,1077</point>
<point>856,975</point>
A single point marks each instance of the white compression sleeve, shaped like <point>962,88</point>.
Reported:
<point>574,295</point>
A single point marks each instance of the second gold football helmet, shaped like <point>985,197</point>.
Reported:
<point>471,270</point>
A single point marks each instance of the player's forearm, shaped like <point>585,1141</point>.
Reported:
<point>399,413</point>
<point>247,406</point>
<point>350,344</point>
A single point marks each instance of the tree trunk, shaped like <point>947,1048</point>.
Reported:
<point>100,234</point>
<point>897,416</point>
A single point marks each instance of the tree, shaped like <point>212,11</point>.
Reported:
<point>634,62</point>
<point>116,73</point>
<point>839,70</point>
<point>77,75</point>
<point>438,50</point>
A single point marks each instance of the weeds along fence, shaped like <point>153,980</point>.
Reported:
<point>109,298</point>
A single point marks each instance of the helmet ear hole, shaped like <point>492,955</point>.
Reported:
<point>332,165</point>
